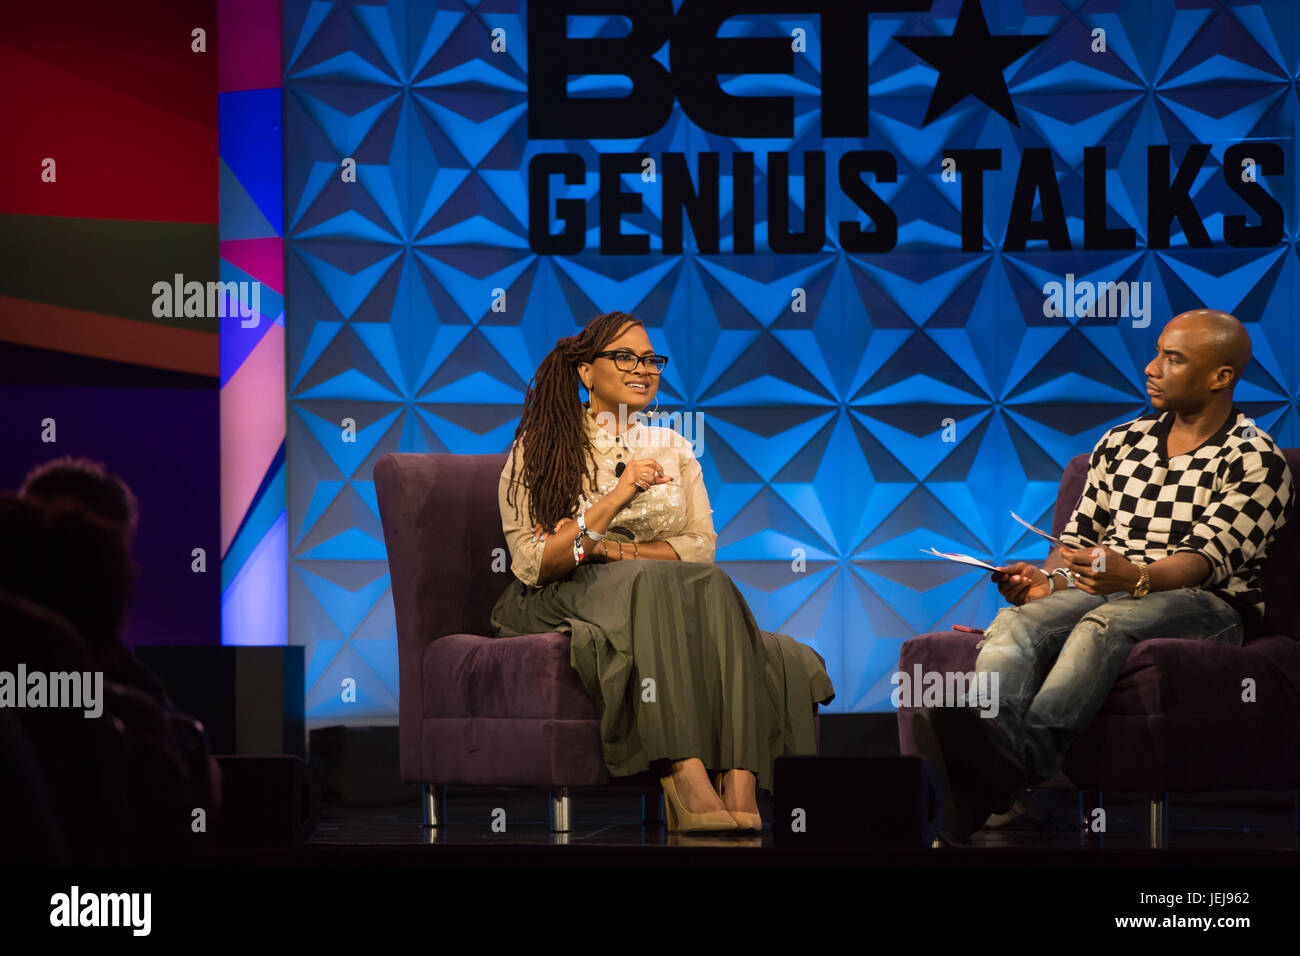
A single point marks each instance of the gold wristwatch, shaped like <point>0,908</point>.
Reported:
<point>1143,585</point>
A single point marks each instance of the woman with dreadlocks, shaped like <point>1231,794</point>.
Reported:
<point>611,542</point>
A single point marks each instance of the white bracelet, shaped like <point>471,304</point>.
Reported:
<point>582,527</point>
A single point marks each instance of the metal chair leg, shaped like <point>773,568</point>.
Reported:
<point>1157,820</point>
<point>435,804</point>
<point>559,800</point>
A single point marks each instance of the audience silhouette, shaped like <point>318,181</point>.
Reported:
<point>120,787</point>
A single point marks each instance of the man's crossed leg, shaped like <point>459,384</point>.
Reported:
<point>1056,658</point>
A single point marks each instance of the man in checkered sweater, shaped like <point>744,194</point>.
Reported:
<point>1167,541</point>
<point>1220,502</point>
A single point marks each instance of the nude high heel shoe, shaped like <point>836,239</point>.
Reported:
<point>744,820</point>
<point>683,821</point>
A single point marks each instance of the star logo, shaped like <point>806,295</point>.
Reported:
<point>970,63</point>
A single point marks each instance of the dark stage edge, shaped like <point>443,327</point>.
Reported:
<point>365,867</point>
<point>606,830</point>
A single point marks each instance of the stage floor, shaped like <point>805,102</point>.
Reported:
<point>1239,828</point>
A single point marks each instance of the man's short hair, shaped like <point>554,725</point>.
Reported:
<point>87,482</point>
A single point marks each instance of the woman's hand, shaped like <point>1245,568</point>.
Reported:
<point>630,484</point>
<point>640,475</point>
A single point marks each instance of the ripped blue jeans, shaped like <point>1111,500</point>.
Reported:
<point>1057,657</point>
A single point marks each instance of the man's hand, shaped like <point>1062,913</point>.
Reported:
<point>1021,582</point>
<point>1101,570</point>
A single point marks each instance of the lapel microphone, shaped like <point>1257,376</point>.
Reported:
<point>618,469</point>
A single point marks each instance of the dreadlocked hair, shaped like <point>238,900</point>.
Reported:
<point>552,435</point>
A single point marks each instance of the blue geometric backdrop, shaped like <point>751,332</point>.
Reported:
<point>824,428</point>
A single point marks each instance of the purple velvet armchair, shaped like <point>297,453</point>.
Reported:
<point>1175,720</point>
<point>474,710</point>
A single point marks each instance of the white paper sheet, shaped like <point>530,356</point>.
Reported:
<point>1036,531</point>
<point>961,559</point>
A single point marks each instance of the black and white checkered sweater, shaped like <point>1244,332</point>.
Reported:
<point>1224,500</point>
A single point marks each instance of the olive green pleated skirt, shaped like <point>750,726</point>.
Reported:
<point>671,652</point>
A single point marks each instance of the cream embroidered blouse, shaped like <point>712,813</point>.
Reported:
<point>676,511</point>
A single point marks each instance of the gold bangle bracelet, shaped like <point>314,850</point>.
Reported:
<point>636,552</point>
<point>620,550</point>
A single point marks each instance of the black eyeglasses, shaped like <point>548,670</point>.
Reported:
<point>628,361</point>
